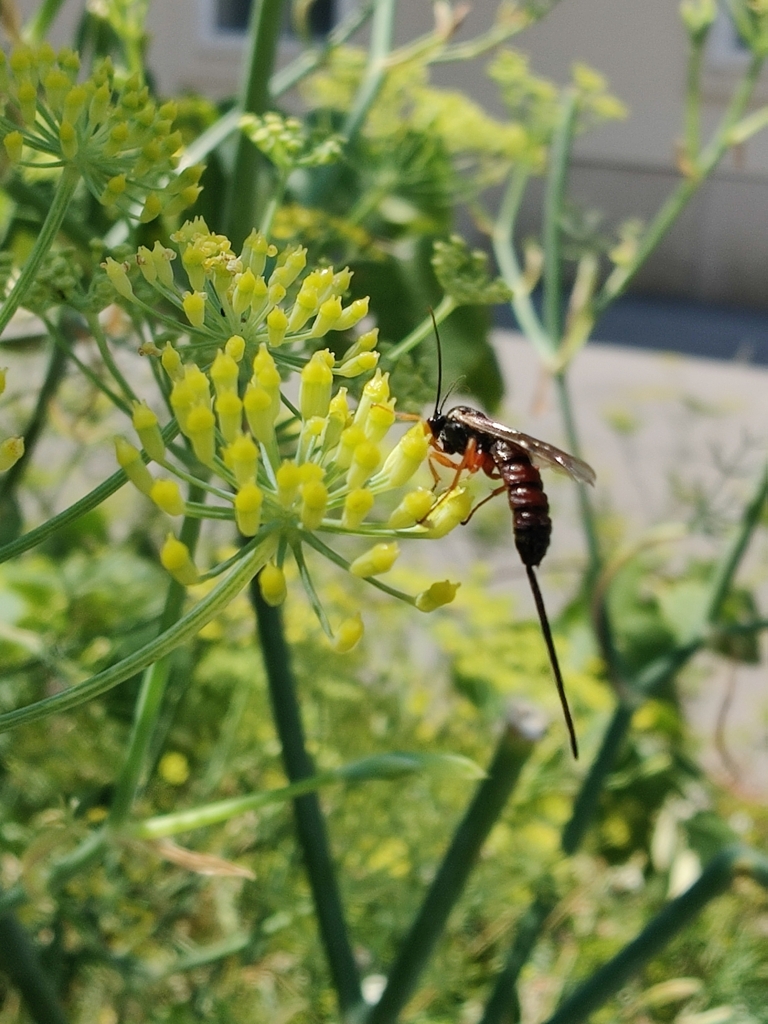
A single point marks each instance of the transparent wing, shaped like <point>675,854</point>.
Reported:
<point>541,453</point>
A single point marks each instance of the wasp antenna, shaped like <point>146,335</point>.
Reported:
<point>539,600</point>
<point>439,363</point>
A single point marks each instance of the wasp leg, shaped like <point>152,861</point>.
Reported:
<point>493,494</point>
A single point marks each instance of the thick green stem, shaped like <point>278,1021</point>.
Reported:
<point>619,280</point>
<point>251,183</point>
<point>20,961</point>
<point>418,334</point>
<point>554,195</point>
<point>379,49</point>
<point>715,879</point>
<point>693,101</point>
<point>65,188</point>
<point>310,825</point>
<point>514,748</point>
<point>151,695</point>
<point>588,797</point>
<point>503,1007</point>
<point>504,250</point>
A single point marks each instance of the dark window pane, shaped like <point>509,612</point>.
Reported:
<point>233,15</point>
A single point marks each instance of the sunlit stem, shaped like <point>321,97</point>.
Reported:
<point>554,196</point>
<point>444,308</point>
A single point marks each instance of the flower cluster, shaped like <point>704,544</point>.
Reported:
<point>286,142</point>
<point>121,143</point>
<point>291,472</point>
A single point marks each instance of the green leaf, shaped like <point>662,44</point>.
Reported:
<point>739,608</point>
<point>463,274</point>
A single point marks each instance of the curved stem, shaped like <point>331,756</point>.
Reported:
<point>184,629</point>
<point>443,310</point>
<point>65,188</point>
<point>504,249</point>
<point>310,825</point>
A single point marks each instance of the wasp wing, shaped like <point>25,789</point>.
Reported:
<point>541,453</point>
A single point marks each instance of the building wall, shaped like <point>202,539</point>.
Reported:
<point>718,249</point>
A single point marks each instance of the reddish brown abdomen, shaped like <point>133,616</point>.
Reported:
<point>527,500</point>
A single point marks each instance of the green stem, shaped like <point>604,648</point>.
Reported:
<point>251,182</point>
<point>62,195</point>
<point>20,961</point>
<point>180,632</point>
<point>554,195</point>
<point>376,69</point>
<point>619,280</point>
<point>153,687</point>
<point>310,825</point>
<point>70,515</point>
<point>514,748</point>
<point>504,250</point>
<point>750,519</point>
<point>444,309</point>
<point>503,1007</point>
<point>57,365</point>
<point>588,798</point>
<point>605,982</point>
<point>109,362</point>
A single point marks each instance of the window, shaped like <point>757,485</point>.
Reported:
<point>232,17</point>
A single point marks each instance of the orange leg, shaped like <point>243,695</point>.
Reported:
<point>493,494</point>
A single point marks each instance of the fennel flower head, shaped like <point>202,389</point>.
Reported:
<point>290,474</point>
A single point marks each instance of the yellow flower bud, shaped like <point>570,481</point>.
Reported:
<point>153,207</point>
<point>337,419</point>
<point>272,585</point>
<point>242,296</point>
<point>235,347</point>
<point>260,297</point>
<point>413,509</point>
<point>255,252</point>
<point>314,501</point>
<point>277,324</point>
<point>167,496</point>
<point>99,107</point>
<point>349,634</point>
<point>375,391</point>
<point>380,419</point>
<point>259,413</point>
<point>329,313</point>
<point>129,459</point>
<point>146,265</point>
<point>176,559</point>
<point>357,505</point>
<point>341,281</point>
<point>305,305</point>
<point>11,450</point>
<point>198,383</point>
<point>436,596</point>
<point>242,457</point>
<point>194,307</point>
<point>201,424</point>
<point>362,363</point>
<point>162,257</point>
<point>14,145</point>
<point>352,315</point>
<point>376,560</point>
<point>229,410</point>
<point>173,768</point>
<point>224,372</point>
<point>449,512</point>
<point>74,103</point>
<point>172,363</point>
<point>406,457</point>
<point>275,294</point>
<point>248,502</point>
<point>117,274</point>
<point>316,384</point>
<point>182,402</point>
<point>365,458</point>
<point>3,376</point>
<point>350,438</point>
<point>146,426</point>
<point>26,94</point>
<point>290,269</point>
<point>288,479</point>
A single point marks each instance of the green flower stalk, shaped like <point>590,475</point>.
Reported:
<point>283,472</point>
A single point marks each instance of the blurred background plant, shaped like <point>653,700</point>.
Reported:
<point>584,880</point>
